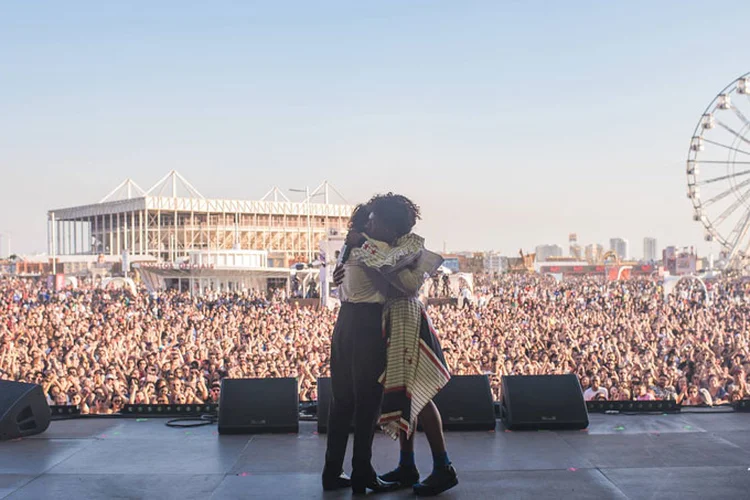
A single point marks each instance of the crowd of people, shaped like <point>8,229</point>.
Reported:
<point>102,349</point>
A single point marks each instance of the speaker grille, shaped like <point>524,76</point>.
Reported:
<point>251,406</point>
<point>543,402</point>
<point>466,404</point>
<point>23,410</point>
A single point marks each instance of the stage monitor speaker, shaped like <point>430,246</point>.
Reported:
<point>23,410</point>
<point>552,402</point>
<point>465,404</point>
<point>325,392</point>
<point>259,405</point>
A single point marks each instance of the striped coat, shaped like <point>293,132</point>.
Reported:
<point>415,368</point>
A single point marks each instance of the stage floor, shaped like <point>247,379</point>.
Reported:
<point>639,457</point>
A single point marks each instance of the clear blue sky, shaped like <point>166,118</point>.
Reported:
<point>511,123</point>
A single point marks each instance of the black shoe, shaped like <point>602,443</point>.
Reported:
<point>405,475</point>
<point>375,484</point>
<point>336,483</point>
<point>440,480</point>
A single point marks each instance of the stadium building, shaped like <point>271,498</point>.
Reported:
<point>172,228</point>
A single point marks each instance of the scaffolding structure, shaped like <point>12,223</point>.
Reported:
<point>172,219</point>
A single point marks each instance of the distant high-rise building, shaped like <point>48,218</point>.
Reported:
<point>621,247</point>
<point>573,246</point>
<point>594,253</point>
<point>649,249</point>
<point>544,252</point>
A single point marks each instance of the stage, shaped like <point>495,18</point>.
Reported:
<point>704,455</point>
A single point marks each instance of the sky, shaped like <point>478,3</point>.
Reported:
<point>512,124</point>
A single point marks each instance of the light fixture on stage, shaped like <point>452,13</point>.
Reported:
<point>665,406</point>
<point>169,409</point>
<point>64,410</point>
<point>742,405</point>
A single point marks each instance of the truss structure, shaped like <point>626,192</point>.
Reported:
<point>172,218</point>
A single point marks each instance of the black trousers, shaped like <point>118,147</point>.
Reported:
<point>358,356</point>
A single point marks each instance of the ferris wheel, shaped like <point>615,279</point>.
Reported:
<point>718,171</point>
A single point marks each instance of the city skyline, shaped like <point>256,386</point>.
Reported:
<point>510,125</point>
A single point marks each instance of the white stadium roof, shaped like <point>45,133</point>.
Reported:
<point>174,193</point>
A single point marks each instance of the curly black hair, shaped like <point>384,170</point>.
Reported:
<point>398,211</point>
<point>359,218</point>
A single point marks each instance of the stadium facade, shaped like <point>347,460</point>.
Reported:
<point>172,220</point>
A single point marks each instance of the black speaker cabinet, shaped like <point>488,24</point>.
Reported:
<point>23,410</point>
<point>552,402</point>
<point>324,405</point>
<point>259,405</point>
<point>465,404</point>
